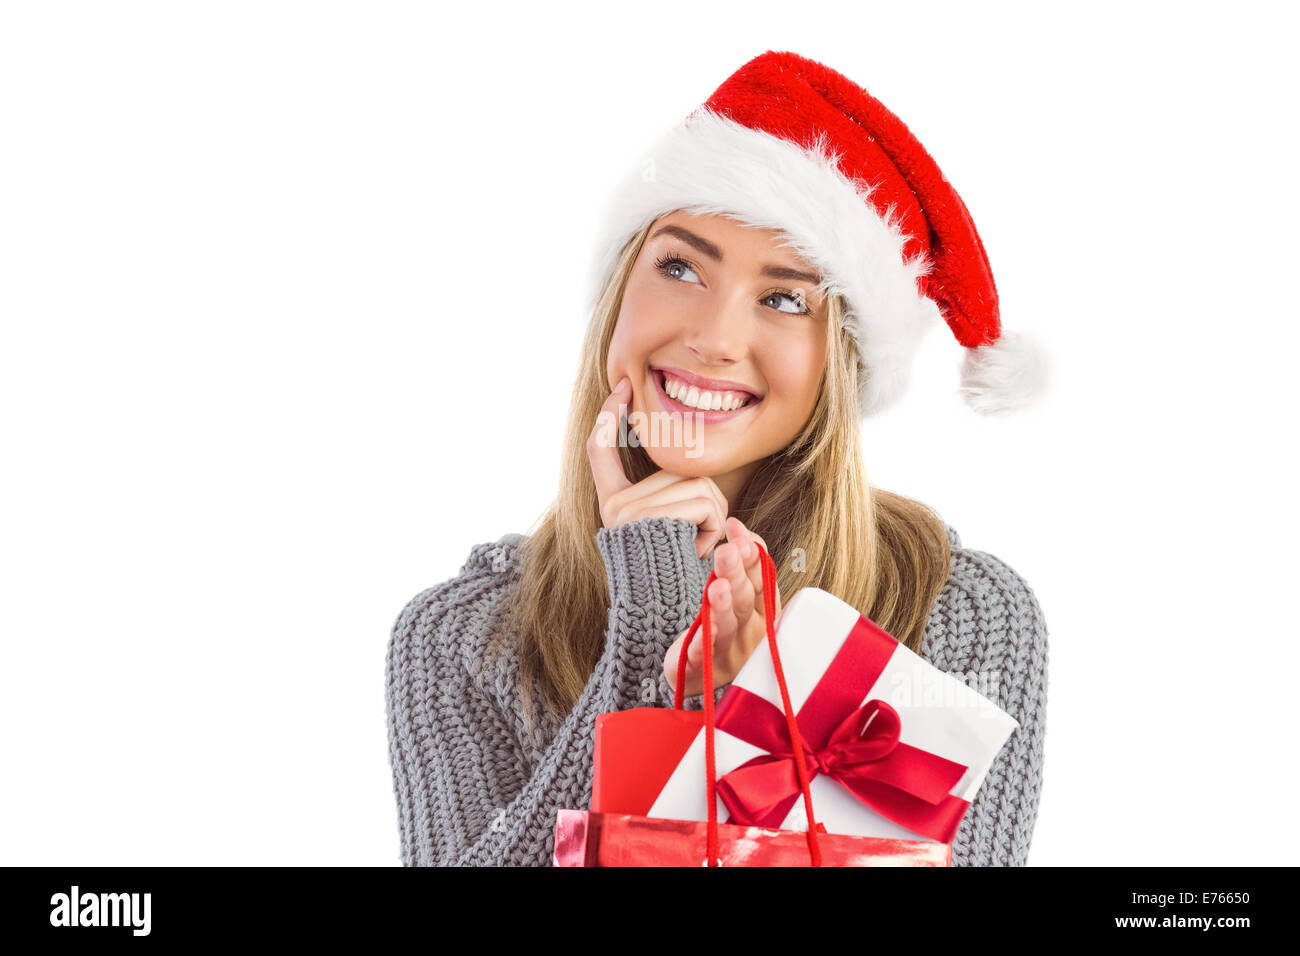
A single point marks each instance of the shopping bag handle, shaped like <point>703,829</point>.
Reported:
<point>703,619</point>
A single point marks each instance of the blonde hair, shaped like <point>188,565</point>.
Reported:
<point>886,555</point>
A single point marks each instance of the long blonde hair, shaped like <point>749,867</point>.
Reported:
<point>884,554</point>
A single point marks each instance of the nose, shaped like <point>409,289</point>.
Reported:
<point>719,336</point>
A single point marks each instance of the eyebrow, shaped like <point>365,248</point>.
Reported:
<point>713,252</point>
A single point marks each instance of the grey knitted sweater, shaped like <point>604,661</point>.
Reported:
<point>474,788</point>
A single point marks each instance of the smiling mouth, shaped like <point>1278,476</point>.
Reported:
<point>691,398</point>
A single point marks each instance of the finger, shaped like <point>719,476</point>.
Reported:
<point>752,559</point>
<point>727,564</point>
<point>711,488</point>
<point>738,532</point>
<point>602,445</point>
<point>644,488</point>
<point>724,624</point>
<point>675,488</point>
<point>705,542</point>
<point>721,516</point>
<point>724,507</point>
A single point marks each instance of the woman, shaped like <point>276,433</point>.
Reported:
<point>777,260</point>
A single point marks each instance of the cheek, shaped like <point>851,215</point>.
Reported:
<point>640,330</point>
<point>626,349</point>
<point>795,374</point>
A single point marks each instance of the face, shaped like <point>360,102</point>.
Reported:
<point>715,307</point>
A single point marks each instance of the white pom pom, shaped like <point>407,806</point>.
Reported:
<point>1007,374</point>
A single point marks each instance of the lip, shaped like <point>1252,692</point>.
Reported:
<point>671,405</point>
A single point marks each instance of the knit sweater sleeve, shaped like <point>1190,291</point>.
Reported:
<point>988,629</point>
<point>473,786</point>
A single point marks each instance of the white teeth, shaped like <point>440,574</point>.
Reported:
<point>706,401</point>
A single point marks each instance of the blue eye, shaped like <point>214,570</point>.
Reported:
<point>801,308</point>
<point>670,264</point>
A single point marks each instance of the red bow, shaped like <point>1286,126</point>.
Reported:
<point>863,752</point>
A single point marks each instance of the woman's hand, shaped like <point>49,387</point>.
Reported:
<point>661,495</point>
<point>736,611</point>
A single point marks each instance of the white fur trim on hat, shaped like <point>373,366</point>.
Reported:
<point>711,165</point>
<point>1007,374</point>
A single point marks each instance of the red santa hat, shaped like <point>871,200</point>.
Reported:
<point>790,145</point>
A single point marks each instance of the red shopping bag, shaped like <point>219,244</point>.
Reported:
<point>637,750</point>
<point>589,838</point>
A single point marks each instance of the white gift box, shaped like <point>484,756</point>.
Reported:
<point>938,712</point>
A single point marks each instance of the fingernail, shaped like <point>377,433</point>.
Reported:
<point>749,549</point>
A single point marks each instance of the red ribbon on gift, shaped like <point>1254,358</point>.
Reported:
<point>853,742</point>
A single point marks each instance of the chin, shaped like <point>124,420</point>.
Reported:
<point>690,462</point>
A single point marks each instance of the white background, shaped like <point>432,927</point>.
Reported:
<point>292,299</point>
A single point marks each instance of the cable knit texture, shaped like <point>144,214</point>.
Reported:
<point>474,788</point>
